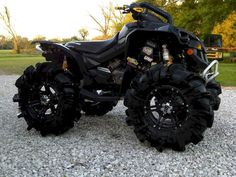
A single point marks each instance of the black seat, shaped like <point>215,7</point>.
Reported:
<point>94,47</point>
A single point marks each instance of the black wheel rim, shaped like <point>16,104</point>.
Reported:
<point>166,108</point>
<point>43,101</point>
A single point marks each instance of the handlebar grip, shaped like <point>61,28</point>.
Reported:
<point>124,7</point>
<point>119,8</point>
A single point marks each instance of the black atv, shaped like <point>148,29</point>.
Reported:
<point>161,71</point>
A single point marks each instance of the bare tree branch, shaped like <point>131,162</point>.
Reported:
<point>6,18</point>
<point>109,18</point>
<point>83,33</point>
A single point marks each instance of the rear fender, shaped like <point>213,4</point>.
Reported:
<point>56,53</point>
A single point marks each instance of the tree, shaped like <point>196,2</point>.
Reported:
<point>57,40</point>
<point>112,22</point>
<point>228,30</point>
<point>200,16</point>
<point>73,38</point>
<point>188,17</point>
<point>39,38</point>
<point>24,44</point>
<point>83,33</point>
<point>2,41</point>
<point>154,2</point>
<point>104,27</point>
<point>118,24</point>
<point>6,18</point>
<point>162,3</point>
<point>197,16</point>
<point>5,43</point>
<point>213,12</point>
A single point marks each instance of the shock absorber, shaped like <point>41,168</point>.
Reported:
<point>167,58</point>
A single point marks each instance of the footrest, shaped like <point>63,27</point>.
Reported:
<point>96,97</point>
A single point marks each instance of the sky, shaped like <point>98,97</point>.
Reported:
<point>54,18</point>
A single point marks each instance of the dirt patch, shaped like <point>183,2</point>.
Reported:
<point>229,88</point>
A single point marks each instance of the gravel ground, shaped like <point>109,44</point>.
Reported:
<point>105,146</point>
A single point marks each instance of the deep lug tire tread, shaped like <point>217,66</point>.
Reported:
<point>67,113</point>
<point>193,87</point>
<point>214,88</point>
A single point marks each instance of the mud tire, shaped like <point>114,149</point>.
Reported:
<point>191,89</point>
<point>60,94</point>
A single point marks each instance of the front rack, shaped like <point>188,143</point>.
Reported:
<point>211,71</point>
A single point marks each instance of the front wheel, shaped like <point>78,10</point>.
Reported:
<point>214,88</point>
<point>47,99</point>
<point>169,107</point>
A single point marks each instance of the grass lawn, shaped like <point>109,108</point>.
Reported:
<point>227,75</point>
<point>16,63</point>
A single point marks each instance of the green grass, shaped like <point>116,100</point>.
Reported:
<point>16,63</point>
<point>6,52</point>
<point>227,75</point>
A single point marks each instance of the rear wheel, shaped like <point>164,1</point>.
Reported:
<point>169,107</point>
<point>47,99</point>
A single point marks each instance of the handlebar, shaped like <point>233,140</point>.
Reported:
<point>148,6</point>
<point>124,8</point>
<point>157,11</point>
<point>120,8</point>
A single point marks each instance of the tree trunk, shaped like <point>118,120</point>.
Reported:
<point>16,46</point>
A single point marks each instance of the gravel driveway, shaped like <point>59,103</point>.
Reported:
<point>105,146</point>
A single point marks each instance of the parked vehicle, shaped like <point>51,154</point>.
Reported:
<point>161,71</point>
<point>213,43</point>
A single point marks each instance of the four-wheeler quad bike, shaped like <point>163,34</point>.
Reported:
<point>161,71</point>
